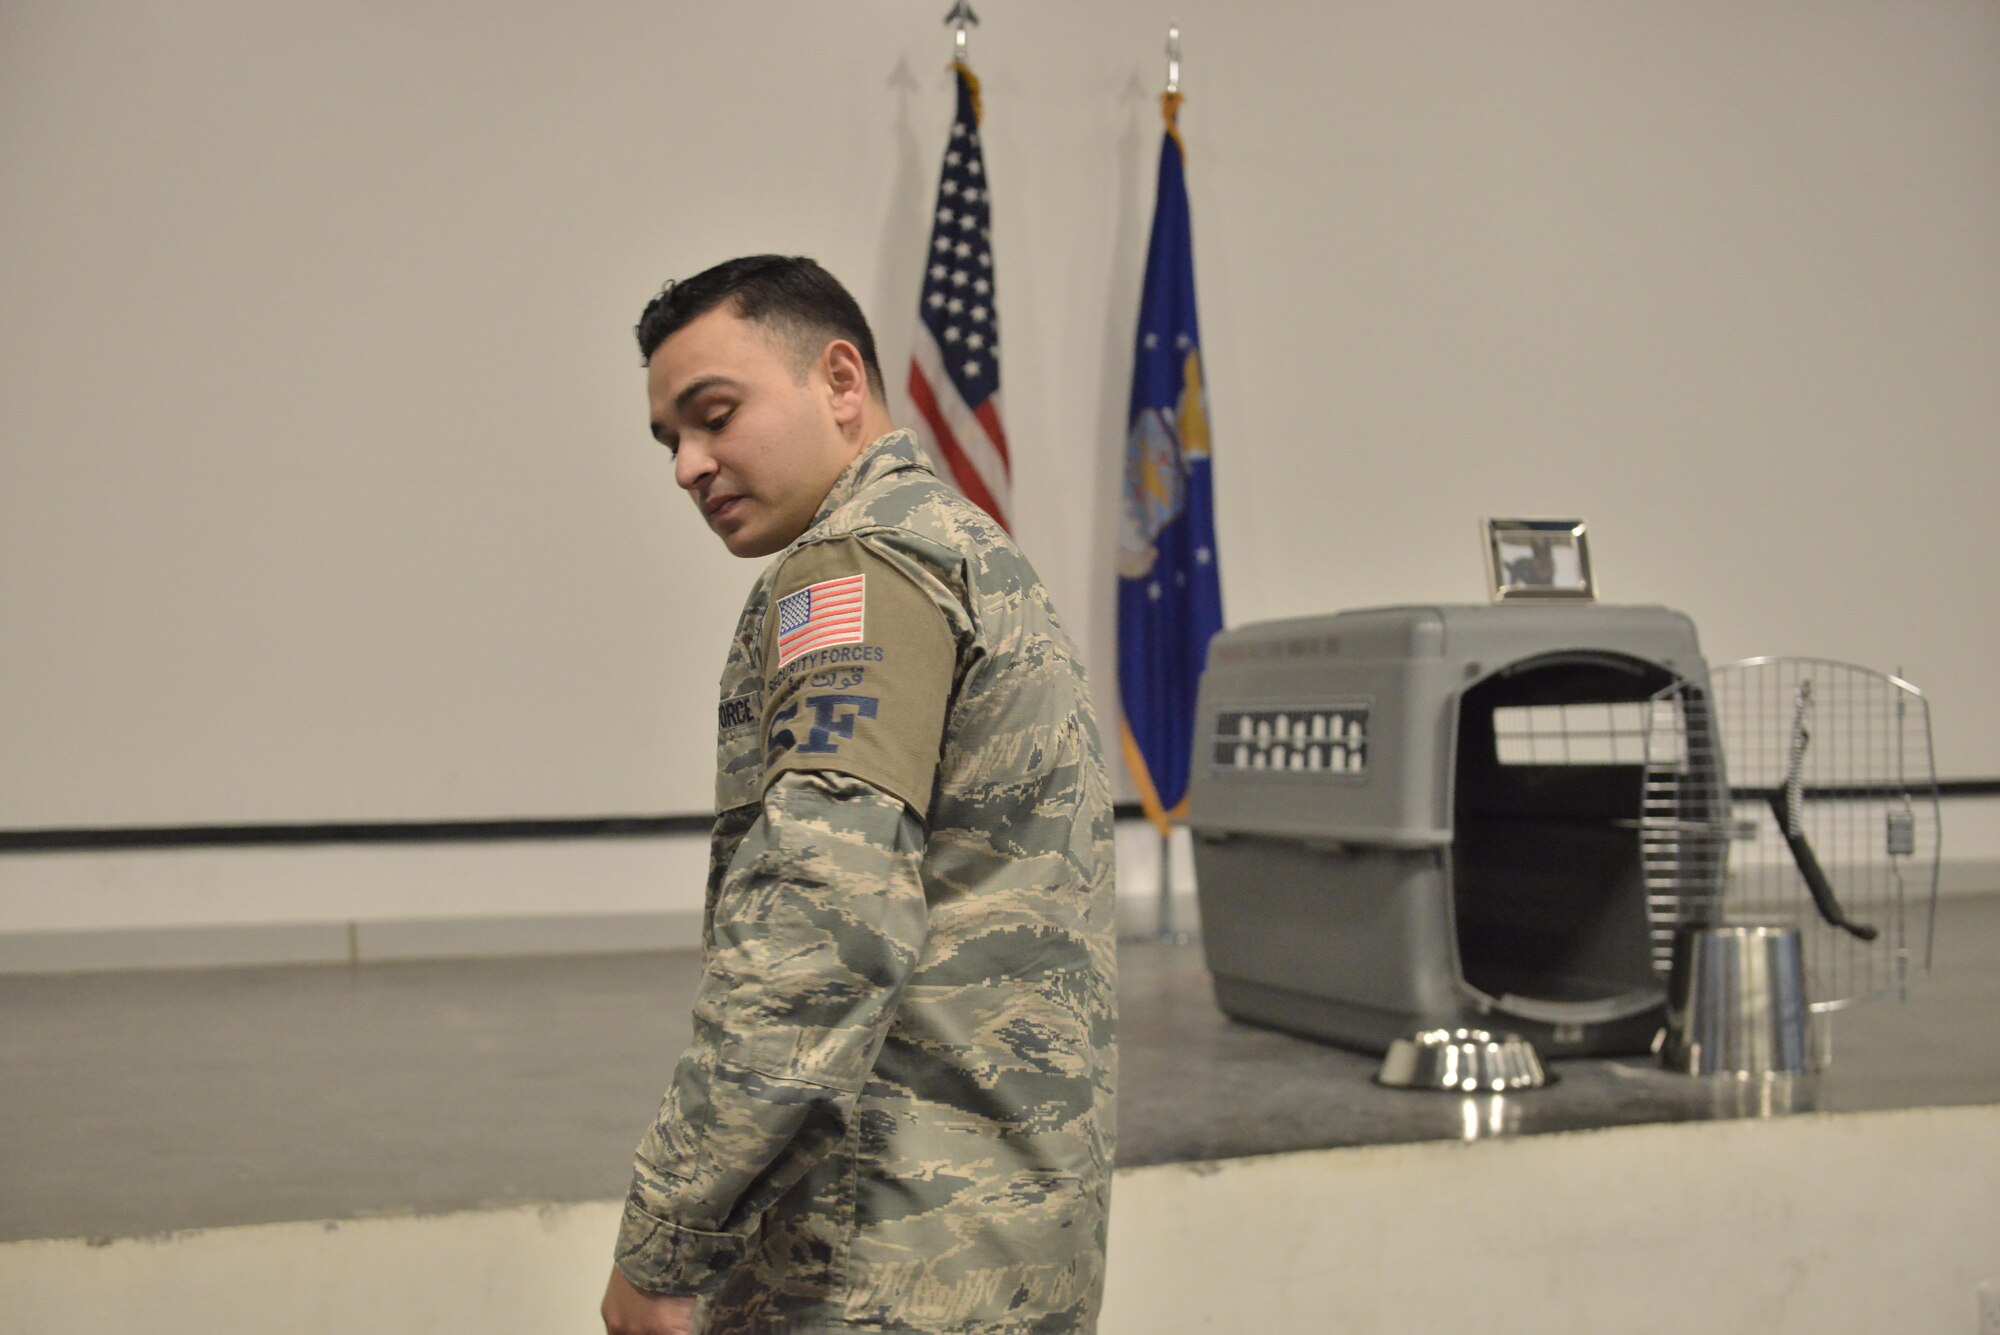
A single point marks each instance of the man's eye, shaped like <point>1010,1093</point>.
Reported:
<point>720,420</point>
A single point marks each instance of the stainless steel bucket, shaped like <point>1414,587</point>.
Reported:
<point>1736,1001</point>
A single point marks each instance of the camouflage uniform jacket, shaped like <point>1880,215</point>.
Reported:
<point>896,1113</point>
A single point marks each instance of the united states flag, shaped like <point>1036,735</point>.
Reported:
<point>955,367</point>
<point>819,615</point>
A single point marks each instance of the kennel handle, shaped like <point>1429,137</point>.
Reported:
<point>1808,864</point>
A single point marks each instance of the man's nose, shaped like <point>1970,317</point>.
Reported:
<point>692,464</point>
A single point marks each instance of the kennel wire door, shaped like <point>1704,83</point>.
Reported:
<point>1800,789</point>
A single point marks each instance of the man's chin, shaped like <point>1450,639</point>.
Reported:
<point>745,538</point>
<point>738,535</point>
<point>748,542</point>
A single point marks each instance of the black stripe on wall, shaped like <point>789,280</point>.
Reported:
<point>469,831</point>
<point>349,832</point>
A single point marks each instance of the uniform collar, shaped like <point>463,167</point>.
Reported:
<point>892,453</point>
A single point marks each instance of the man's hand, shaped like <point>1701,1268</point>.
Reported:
<point>630,1311</point>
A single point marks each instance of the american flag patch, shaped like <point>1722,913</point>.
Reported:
<point>819,615</point>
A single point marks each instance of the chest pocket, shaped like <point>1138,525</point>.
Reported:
<point>739,749</point>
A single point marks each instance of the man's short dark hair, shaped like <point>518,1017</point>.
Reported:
<point>789,294</point>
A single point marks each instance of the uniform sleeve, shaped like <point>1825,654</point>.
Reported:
<point>820,921</point>
<point>817,924</point>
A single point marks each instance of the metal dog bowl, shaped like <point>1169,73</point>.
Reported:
<point>1463,1061</point>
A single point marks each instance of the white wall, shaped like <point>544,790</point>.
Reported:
<point>61,912</point>
<point>1833,1225</point>
<point>323,488</point>
<point>65,912</point>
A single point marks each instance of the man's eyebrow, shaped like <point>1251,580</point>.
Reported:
<point>697,386</point>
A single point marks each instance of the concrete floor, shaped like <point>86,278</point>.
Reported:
<point>146,1102</point>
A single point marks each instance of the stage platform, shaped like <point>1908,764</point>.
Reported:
<point>143,1103</point>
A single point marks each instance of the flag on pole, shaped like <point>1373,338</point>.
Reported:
<point>1169,588</point>
<point>955,360</point>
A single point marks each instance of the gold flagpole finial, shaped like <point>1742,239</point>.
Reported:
<point>1170,101</point>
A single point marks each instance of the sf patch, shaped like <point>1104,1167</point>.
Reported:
<point>833,717</point>
<point>866,700</point>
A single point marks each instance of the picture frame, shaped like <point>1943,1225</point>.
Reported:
<point>1529,559</point>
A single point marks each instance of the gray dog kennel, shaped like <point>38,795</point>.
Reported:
<point>1417,817</point>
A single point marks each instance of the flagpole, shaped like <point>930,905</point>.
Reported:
<point>1167,932</point>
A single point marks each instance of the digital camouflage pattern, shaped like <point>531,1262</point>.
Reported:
<point>896,1113</point>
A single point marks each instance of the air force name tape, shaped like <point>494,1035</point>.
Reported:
<point>738,711</point>
<point>820,615</point>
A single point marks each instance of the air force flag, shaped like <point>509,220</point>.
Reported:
<point>1169,590</point>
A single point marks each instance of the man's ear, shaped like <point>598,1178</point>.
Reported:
<point>846,380</point>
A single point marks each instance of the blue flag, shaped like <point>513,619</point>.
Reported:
<point>1169,586</point>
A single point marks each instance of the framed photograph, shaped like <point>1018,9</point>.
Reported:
<point>1538,558</point>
